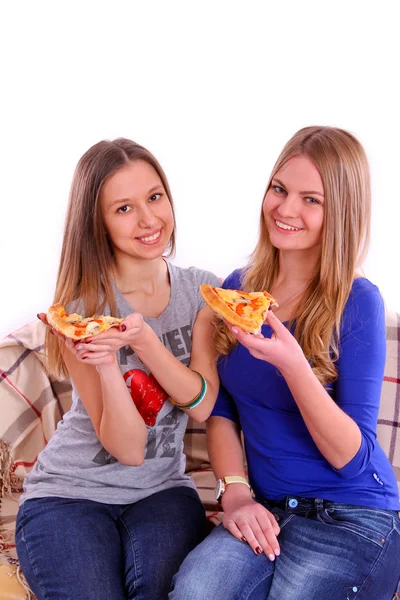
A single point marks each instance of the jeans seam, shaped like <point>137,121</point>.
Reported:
<point>251,589</point>
<point>383,551</point>
<point>363,508</point>
<point>289,518</point>
<point>396,524</point>
<point>135,562</point>
<point>23,519</point>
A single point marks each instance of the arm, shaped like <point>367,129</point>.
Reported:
<point>337,436</point>
<point>343,429</point>
<point>173,376</point>
<point>177,380</point>
<point>226,451</point>
<point>102,389</point>
<point>243,517</point>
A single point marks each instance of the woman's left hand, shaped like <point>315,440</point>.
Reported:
<point>129,332</point>
<point>281,350</point>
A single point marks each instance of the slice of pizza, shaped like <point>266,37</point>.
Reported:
<point>247,310</point>
<point>76,327</point>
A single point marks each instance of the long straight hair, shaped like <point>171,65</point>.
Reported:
<point>84,274</point>
<point>343,167</point>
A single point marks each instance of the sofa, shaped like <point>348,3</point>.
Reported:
<point>32,403</point>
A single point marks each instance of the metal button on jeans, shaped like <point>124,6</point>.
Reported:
<point>293,502</point>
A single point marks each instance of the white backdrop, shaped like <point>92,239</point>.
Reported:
<point>214,89</point>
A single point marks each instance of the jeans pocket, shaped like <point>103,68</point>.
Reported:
<point>282,517</point>
<point>356,521</point>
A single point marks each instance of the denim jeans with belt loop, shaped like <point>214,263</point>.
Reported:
<point>329,551</point>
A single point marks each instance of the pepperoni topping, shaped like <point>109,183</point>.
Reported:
<point>81,331</point>
<point>256,303</point>
<point>240,309</point>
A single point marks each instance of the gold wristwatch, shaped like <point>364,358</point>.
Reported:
<point>222,483</point>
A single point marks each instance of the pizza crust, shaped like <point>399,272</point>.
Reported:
<point>76,327</point>
<point>218,305</point>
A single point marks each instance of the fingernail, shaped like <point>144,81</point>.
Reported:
<point>277,552</point>
<point>122,327</point>
<point>80,347</point>
<point>235,330</point>
<point>271,556</point>
<point>258,550</point>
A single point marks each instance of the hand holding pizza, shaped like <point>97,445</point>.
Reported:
<point>129,333</point>
<point>281,350</point>
<point>98,359</point>
<point>99,348</point>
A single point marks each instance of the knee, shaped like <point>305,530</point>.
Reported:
<point>197,581</point>
<point>188,585</point>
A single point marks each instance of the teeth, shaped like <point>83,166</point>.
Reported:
<point>151,238</point>
<point>283,226</point>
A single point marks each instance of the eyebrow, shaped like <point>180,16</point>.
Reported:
<point>156,187</point>
<point>309,192</point>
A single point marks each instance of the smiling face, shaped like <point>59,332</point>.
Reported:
<point>137,212</point>
<point>293,207</point>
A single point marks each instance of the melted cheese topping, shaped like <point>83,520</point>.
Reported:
<point>253,305</point>
<point>237,297</point>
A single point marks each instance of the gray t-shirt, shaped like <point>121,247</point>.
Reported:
<point>75,465</point>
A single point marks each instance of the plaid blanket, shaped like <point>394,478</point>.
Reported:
<point>389,412</point>
<point>32,403</point>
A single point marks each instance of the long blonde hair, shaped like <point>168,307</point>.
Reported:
<point>344,170</point>
<point>87,255</point>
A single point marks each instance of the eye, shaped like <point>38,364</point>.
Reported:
<point>124,209</point>
<point>310,200</point>
<point>278,189</point>
<point>155,197</point>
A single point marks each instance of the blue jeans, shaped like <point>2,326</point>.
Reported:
<point>83,550</point>
<point>333,552</point>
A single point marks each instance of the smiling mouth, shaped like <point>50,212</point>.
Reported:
<point>150,239</point>
<point>281,225</point>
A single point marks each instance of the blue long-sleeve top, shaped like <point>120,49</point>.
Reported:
<point>281,455</point>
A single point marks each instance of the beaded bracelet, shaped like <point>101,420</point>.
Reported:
<point>196,401</point>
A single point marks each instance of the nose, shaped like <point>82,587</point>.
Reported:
<point>147,219</point>
<point>289,207</point>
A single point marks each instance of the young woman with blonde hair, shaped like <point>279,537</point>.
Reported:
<point>322,520</point>
<point>108,512</point>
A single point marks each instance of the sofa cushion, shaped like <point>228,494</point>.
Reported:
<point>12,584</point>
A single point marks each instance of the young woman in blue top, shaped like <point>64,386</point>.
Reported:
<point>322,521</point>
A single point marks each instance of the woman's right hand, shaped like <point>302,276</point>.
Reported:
<point>42,317</point>
<point>246,518</point>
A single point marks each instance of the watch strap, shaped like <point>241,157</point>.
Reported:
<point>236,479</point>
